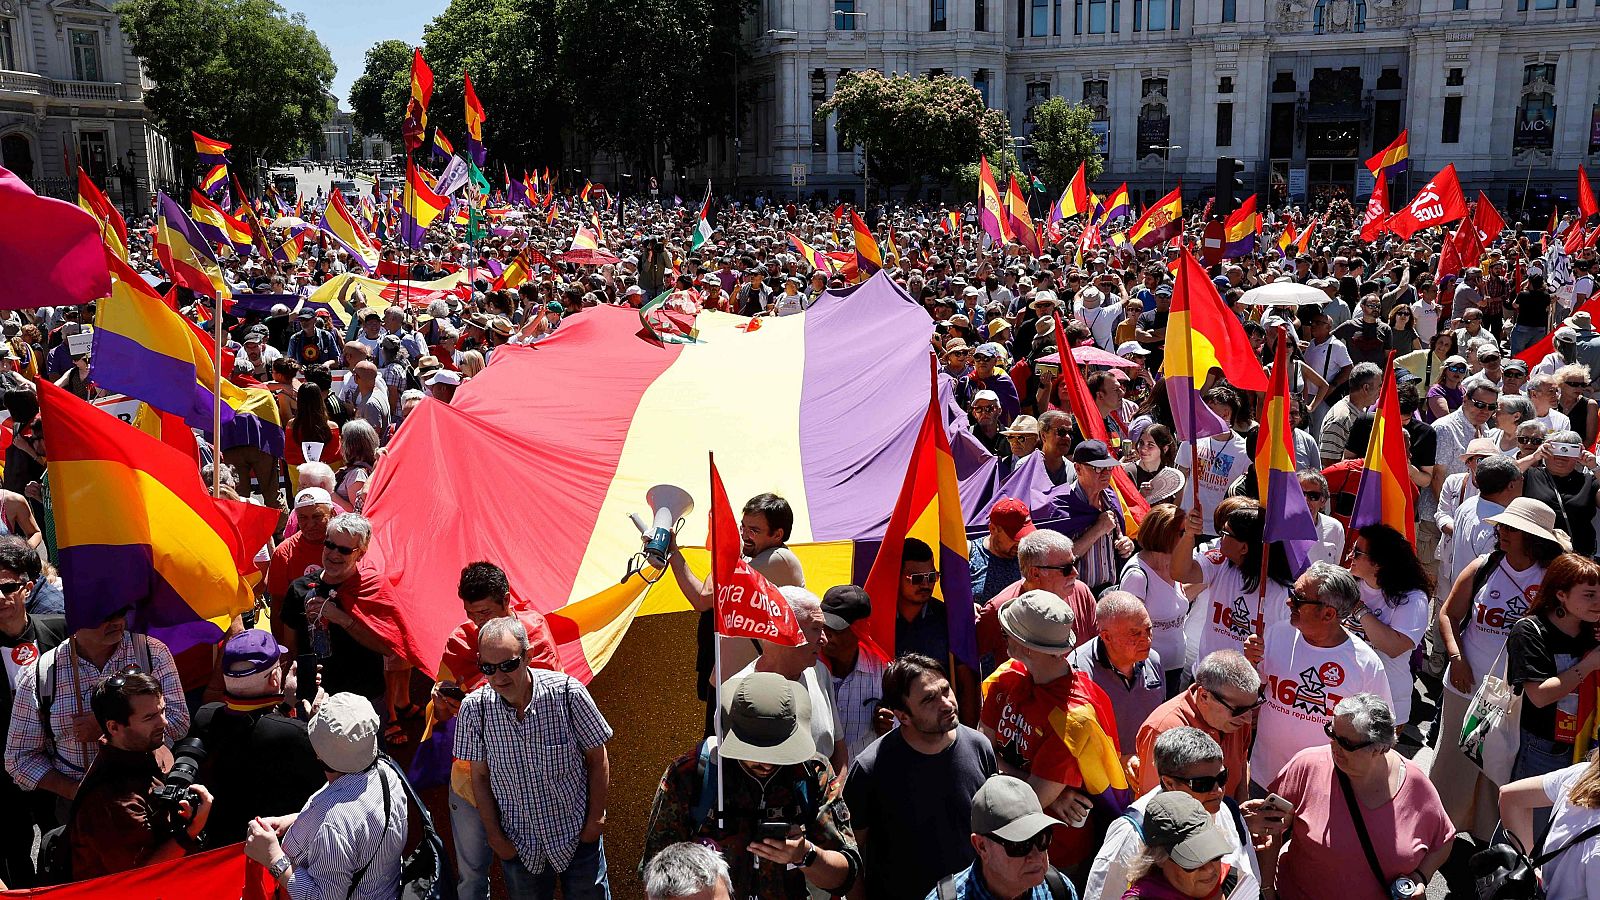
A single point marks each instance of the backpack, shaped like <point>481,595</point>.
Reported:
<point>707,797</point>
<point>424,872</point>
<point>1053,879</point>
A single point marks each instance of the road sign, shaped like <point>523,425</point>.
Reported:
<point>797,175</point>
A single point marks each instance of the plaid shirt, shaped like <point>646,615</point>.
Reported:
<point>858,696</point>
<point>27,758</point>
<point>536,763</point>
<point>344,827</point>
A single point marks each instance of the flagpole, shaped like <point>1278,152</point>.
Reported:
<point>216,400</point>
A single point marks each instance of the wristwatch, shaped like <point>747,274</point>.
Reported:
<point>278,866</point>
<point>810,857</point>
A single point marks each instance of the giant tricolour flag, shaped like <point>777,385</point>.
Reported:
<point>1203,335</point>
<point>1385,495</point>
<point>802,433</point>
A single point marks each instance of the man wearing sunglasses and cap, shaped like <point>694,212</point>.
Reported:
<point>1011,835</point>
<point>778,827</point>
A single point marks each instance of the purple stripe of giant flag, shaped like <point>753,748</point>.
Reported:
<point>1191,416</point>
<point>128,367</point>
<point>854,447</point>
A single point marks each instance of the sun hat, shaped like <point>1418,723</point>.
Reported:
<point>1039,620</point>
<point>1534,517</point>
<point>344,732</point>
<point>1022,425</point>
<point>766,718</point>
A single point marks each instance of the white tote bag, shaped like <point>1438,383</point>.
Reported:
<point>1491,732</point>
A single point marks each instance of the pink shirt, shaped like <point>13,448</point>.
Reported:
<point>1324,859</point>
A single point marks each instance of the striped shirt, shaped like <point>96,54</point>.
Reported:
<point>28,760</point>
<point>536,762</point>
<point>344,827</point>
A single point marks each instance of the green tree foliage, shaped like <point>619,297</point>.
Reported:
<point>378,96</point>
<point>915,128</point>
<point>1062,138</point>
<point>242,71</point>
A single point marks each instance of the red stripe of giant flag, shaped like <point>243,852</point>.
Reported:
<point>1093,427</point>
<point>50,250</point>
<point>928,509</point>
<point>747,604</point>
<point>221,874</point>
<point>1385,495</point>
<point>1547,344</point>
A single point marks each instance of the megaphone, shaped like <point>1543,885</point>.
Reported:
<point>671,503</point>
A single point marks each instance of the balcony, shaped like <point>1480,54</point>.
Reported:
<point>73,91</point>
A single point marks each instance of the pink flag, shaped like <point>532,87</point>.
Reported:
<point>50,250</point>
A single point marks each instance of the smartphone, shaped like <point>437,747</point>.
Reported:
<point>1049,369</point>
<point>305,673</point>
<point>1280,803</point>
<point>773,830</point>
<point>453,691</point>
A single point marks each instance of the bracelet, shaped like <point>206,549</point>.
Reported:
<point>1454,656</point>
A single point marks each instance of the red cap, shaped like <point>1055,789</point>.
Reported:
<point>1012,517</point>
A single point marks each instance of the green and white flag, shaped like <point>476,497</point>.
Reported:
<point>702,230</point>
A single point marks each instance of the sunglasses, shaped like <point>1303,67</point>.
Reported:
<point>1481,405</point>
<point>11,587</point>
<point>1204,784</point>
<point>1063,433</point>
<point>1456,369</point>
<point>1297,600</point>
<point>116,681</point>
<point>1349,746</point>
<point>1066,568</point>
<point>1315,495</point>
<point>1524,441</point>
<point>1018,849</point>
<point>510,665</point>
<point>1576,384</point>
<point>923,577</point>
<point>1237,711</point>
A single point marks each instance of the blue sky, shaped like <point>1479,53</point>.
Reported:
<point>349,27</point>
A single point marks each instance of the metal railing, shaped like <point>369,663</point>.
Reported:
<point>90,91</point>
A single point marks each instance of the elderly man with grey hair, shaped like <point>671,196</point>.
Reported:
<point>803,664</point>
<point>1121,661</point>
<point>1048,563</point>
<point>1309,663</point>
<point>687,871</point>
<point>344,612</point>
<point>536,745</point>
<point>1221,703</point>
<point>1186,760</point>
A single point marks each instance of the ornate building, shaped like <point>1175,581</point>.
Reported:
<point>71,94</point>
<point>1301,90</point>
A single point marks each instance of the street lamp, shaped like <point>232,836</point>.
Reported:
<point>1166,157</point>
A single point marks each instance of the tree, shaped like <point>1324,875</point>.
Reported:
<point>915,128</point>
<point>378,97</point>
<point>1063,138</point>
<point>241,71</point>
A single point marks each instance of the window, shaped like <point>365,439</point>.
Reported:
<point>1156,14</point>
<point>980,15</point>
<point>1116,16</point>
<point>1535,128</point>
<point>1095,92</point>
<point>1283,83</point>
<point>1459,4</point>
<point>93,156</point>
<point>980,80</point>
<point>8,53</point>
<point>1037,93</point>
<point>1177,10</point>
<point>842,18</point>
<point>1022,18</point>
<point>1097,16</point>
<point>819,122</point>
<point>1041,18</point>
<point>85,55</point>
<point>1225,86</point>
<point>939,20</point>
<point>1455,78</point>
<point>1450,131</point>
<point>1337,17</point>
<point>1389,80</point>
<point>1230,10</point>
<point>1224,124</point>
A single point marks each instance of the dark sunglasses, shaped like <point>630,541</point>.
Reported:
<point>1576,384</point>
<point>1297,600</point>
<point>1481,405</point>
<point>1066,568</point>
<point>1204,784</point>
<point>923,577</point>
<point>1237,711</point>
<point>340,549</point>
<point>1063,432</point>
<point>1018,849</point>
<point>1315,495</point>
<point>11,587</point>
<point>1524,441</point>
<point>1349,746</point>
<point>1456,369</point>
<point>116,681</point>
<point>510,665</point>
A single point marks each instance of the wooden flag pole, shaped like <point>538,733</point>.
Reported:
<point>216,399</point>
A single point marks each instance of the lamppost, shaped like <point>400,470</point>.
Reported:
<point>1166,158</point>
<point>866,149</point>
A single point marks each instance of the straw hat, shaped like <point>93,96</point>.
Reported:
<point>1534,517</point>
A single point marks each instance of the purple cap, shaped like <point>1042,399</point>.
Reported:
<point>251,652</point>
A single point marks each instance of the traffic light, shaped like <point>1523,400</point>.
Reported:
<point>1230,188</point>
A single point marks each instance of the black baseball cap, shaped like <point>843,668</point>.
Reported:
<point>844,605</point>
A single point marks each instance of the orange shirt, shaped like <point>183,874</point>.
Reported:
<point>1184,709</point>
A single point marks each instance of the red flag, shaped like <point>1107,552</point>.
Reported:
<point>747,604</point>
<point>1438,203</point>
<point>1377,209</point>
<point>221,873</point>
<point>50,250</point>
<point>1573,239</point>
<point>1487,220</point>
<point>1460,252</point>
<point>1090,424</point>
<point>1586,205</point>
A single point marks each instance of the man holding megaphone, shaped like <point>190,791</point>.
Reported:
<point>764,527</point>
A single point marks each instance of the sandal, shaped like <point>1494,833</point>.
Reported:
<point>395,735</point>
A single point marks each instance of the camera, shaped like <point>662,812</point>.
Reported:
<point>178,784</point>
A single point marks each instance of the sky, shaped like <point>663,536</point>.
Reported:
<point>349,27</point>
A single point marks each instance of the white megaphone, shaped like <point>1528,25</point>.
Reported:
<point>671,503</point>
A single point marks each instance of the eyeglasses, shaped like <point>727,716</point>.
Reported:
<point>1576,384</point>
<point>510,665</point>
<point>1357,551</point>
<point>1237,711</point>
<point>1226,532</point>
<point>340,549</point>
<point>1457,369</point>
<point>1063,432</point>
<point>11,587</point>
<point>1204,784</point>
<point>116,681</point>
<point>1524,441</point>
<point>1066,568</point>
<point>1297,600</point>
<point>1315,495</point>
<point>1402,315</point>
<point>1018,849</point>
<point>985,409</point>
<point>924,578</point>
<point>1481,405</point>
<point>1349,746</point>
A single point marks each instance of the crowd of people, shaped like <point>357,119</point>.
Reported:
<point>1173,710</point>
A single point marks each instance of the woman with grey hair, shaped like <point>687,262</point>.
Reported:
<point>360,457</point>
<point>1352,792</point>
<point>687,871</point>
<point>1510,413</point>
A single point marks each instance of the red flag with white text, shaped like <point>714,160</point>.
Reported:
<point>747,604</point>
<point>1377,209</point>
<point>1438,203</point>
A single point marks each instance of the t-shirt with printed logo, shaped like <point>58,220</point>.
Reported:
<point>1226,612</point>
<point>1304,683</point>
